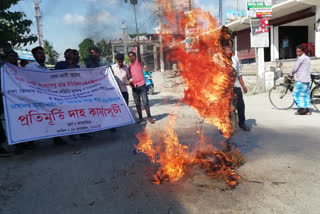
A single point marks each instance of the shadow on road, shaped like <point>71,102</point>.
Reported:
<point>103,175</point>
<point>164,101</point>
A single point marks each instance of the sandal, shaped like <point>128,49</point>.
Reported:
<point>299,113</point>
<point>308,113</point>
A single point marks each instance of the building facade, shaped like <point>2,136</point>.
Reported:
<point>297,20</point>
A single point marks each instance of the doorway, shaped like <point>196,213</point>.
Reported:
<point>296,36</point>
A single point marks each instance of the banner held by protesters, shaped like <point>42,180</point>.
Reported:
<point>41,105</point>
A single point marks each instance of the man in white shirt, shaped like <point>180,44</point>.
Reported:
<point>238,84</point>
<point>39,55</point>
<point>121,74</point>
<point>39,65</point>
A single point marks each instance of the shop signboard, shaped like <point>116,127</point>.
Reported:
<point>259,8</point>
<point>259,32</point>
<point>192,33</point>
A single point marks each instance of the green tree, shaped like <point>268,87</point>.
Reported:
<point>52,54</point>
<point>105,49</point>
<point>102,45</point>
<point>84,48</point>
<point>14,28</point>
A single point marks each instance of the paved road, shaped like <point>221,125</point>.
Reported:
<point>102,175</point>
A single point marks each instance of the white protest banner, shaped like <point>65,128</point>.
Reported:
<point>41,105</point>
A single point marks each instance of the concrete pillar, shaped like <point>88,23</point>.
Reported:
<point>161,46</point>
<point>272,46</point>
<point>317,32</point>
<point>236,46</point>
<point>276,52</point>
<point>125,49</point>
<point>161,54</point>
<point>141,49</point>
<point>261,72</point>
<point>155,58</point>
<point>113,55</point>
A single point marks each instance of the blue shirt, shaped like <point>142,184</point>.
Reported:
<point>36,66</point>
<point>285,44</point>
<point>64,65</point>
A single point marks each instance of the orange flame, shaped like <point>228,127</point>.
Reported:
<point>175,159</point>
<point>208,72</point>
<point>171,155</point>
<point>209,78</point>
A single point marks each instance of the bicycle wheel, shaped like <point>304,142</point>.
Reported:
<point>315,97</point>
<point>280,97</point>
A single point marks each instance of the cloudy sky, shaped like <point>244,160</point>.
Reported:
<point>67,22</point>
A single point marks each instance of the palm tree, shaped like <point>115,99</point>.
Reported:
<point>52,54</point>
<point>134,3</point>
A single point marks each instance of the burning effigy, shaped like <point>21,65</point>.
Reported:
<point>204,57</point>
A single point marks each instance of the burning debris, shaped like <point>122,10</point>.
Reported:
<point>204,57</point>
<point>175,159</point>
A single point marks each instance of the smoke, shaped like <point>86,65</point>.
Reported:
<point>104,18</point>
<point>100,23</point>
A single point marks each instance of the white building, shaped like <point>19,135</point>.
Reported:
<point>299,20</point>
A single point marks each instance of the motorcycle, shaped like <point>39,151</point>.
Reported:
<point>149,83</point>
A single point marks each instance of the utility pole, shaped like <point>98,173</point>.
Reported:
<point>38,16</point>
<point>160,14</point>
<point>190,5</point>
<point>220,12</point>
<point>135,17</point>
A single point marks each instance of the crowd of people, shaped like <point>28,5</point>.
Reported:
<point>133,75</point>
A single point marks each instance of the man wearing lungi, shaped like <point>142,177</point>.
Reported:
<point>302,86</point>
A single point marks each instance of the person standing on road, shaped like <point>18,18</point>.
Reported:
<point>75,58</point>
<point>39,65</point>
<point>285,47</point>
<point>121,73</point>
<point>40,57</point>
<point>238,84</point>
<point>303,78</point>
<point>148,78</point>
<point>138,84</point>
<point>11,57</point>
<point>69,62</point>
<point>94,58</point>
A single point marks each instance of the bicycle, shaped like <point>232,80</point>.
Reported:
<point>280,96</point>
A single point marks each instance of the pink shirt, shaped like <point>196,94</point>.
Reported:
<point>136,73</point>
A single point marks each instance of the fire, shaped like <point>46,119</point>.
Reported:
<point>171,155</point>
<point>202,53</point>
<point>174,159</point>
<point>204,61</point>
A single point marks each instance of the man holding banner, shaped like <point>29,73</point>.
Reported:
<point>11,57</point>
<point>42,104</point>
<point>40,56</point>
